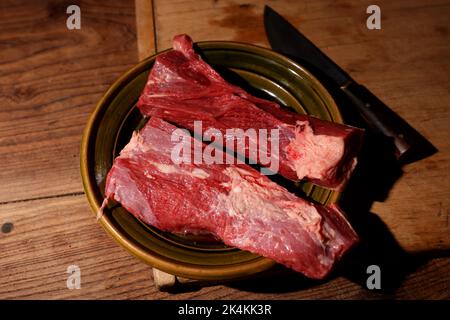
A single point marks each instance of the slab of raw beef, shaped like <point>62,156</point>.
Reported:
<point>182,88</point>
<point>233,202</point>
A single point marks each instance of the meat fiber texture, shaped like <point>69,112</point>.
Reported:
<point>182,88</point>
<point>236,203</point>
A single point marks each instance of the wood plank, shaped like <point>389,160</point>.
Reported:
<point>406,64</point>
<point>49,235</point>
<point>144,28</point>
<point>50,80</point>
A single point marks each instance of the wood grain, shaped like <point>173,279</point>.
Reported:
<point>51,79</point>
<point>52,234</point>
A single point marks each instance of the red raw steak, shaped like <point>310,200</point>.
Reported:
<point>235,203</point>
<point>182,88</point>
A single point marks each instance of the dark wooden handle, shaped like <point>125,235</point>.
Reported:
<point>382,119</point>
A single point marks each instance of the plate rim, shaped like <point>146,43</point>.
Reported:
<point>154,259</point>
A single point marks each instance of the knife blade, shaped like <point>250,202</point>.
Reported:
<point>286,39</point>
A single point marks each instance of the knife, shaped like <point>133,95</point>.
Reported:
<point>287,40</point>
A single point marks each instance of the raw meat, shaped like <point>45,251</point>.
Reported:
<point>182,88</point>
<point>236,203</point>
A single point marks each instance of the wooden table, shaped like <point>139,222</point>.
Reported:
<point>52,77</point>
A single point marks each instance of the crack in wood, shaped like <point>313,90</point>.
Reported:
<point>71,194</point>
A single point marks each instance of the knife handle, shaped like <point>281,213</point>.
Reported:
<point>382,119</point>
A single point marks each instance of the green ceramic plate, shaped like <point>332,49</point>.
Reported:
<point>259,71</point>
